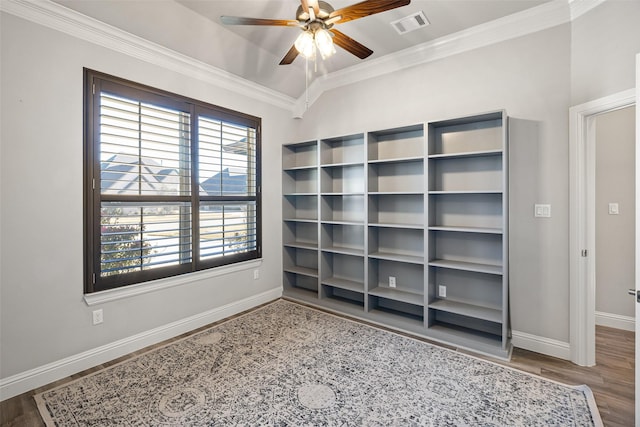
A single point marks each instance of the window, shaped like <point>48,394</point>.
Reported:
<point>172,185</point>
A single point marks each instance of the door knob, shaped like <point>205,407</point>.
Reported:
<point>636,293</point>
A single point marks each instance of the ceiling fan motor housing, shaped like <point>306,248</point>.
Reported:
<point>325,10</point>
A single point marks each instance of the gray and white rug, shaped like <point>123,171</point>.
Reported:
<point>288,365</point>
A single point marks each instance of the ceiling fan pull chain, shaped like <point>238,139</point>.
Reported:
<point>306,84</point>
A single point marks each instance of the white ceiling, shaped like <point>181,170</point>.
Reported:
<point>193,27</point>
<point>375,31</point>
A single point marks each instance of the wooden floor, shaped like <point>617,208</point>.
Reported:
<point>611,380</point>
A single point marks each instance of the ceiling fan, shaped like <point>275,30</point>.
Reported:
<point>316,20</point>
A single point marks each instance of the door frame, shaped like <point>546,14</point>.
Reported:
<point>582,226</point>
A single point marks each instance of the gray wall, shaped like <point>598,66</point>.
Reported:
<point>532,78</point>
<point>43,316</point>
<point>615,182</point>
<point>533,88</point>
<point>536,78</point>
<point>604,44</point>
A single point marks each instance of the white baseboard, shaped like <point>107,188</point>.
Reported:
<point>37,377</point>
<point>615,321</point>
<point>542,345</point>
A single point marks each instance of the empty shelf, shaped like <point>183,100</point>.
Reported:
<point>497,152</point>
<point>302,245</point>
<point>466,266</point>
<point>305,271</point>
<point>465,309</point>
<point>350,285</point>
<point>398,295</point>
<point>344,250</point>
<point>413,259</point>
<point>459,229</point>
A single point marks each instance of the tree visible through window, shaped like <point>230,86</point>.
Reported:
<point>172,184</point>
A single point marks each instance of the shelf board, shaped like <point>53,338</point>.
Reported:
<point>341,164</point>
<point>300,168</point>
<point>299,220</point>
<point>305,271</point>
<point>360,193</point>
<point>299,194</point>
<point>397,257</point>
<point>467,266</point>
<point>483,153</point>
<point>349,285</point>
<point>469,310</point>
<point>439,192</point>
<point>483,230</point>
<point>344,250</point>
<point>392,225</point>
<point>477,341</point>
<point>300,293</point>
<point>295,195</point>
<point>342,222</point>
<point>404,322</point>
<point>398,160</point>
<point>301,245</point>
<point>396,193</point>
<point>398,295</point>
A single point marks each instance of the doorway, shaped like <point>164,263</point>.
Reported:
<point>615,218</point>
<point>582,225</point>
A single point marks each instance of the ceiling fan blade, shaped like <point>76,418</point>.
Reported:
<point>290,56</point>
<point>366,8</point>
<point>350,45</point>
<point>239,20</point>
<point>306,4</point>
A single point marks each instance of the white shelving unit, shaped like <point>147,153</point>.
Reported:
<point>374,224</point>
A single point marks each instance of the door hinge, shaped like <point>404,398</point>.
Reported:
<point>93,278</point>
<point>93,88</point>
<point>585,253</point>
<point>93,183</point>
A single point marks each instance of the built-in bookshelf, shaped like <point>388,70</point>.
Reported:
<point>405,227</point>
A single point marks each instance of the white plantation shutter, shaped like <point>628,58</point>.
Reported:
<point>172,184</point>
<point>228,216</point>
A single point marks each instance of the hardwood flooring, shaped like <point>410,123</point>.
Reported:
<point>612,380</point>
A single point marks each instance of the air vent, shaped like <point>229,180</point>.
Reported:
<point>410,23</point>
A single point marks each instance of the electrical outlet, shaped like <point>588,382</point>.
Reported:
<point>392,282</point>
<point>442,291</point>
<point>256,274</point>
<point>97,317</point>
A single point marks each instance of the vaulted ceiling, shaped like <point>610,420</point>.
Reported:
<point>193,28</point>
<point>374,31</point>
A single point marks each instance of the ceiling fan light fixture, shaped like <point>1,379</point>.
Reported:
<point>316,18</point>
<point>305,44</point>
<point>324,42</point>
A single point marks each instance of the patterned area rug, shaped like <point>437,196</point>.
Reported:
<point>288,365</point>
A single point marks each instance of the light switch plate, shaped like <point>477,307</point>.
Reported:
<point>614,209</point>
<point>542,211</point>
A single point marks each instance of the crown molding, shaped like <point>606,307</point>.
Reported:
<point>545,16</point>
<point>60,18</point>
<point>580,7</point>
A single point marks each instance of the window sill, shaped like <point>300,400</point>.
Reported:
<point>156,285</point>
